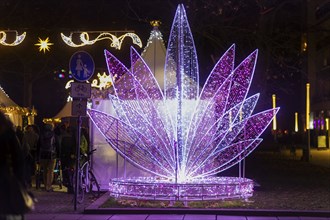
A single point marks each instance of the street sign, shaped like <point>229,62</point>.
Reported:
<point>81,66</point>
<point>79,107</point>
<point>80,90</point>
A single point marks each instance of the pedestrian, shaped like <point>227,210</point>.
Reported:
<point>12,187</point>
<point>48,146</point>
<point>30,143</point>
<point>19,133</point>
<point>84,141</point>
<point>67,156</point>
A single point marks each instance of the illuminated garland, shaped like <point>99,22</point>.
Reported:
<point>116,42</point>
<point>14,109</point>
<point>18,39</point>
<point>183,136</point>
<point>154,35</point>
<point>104,81</point>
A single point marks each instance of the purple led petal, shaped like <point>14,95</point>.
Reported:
<point>115,67</point>
<point>242,79</point>
<point>181,66</point>
<point>136,148</point>
<point>205,144</point>
<point>231,156</point>
<point>219,74</point>
<point>158,141</point>
<point>250,128</point>
<point>203,122</point>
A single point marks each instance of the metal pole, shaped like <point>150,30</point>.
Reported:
<point>240,156</point>
<point>274,119</point>
<point>243,169</point>
<point>77,163</point>
<point>308,145</point>
<point>306,154</point>
<point>117,159</point>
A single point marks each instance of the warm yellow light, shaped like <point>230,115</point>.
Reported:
<point>104,81</point>
<point>307,106</point>
<point>296,121</point>
<point>327,124</point>
<point>18,38</point>
<point>304,44</point>
<point>44,44</point>
<point>155,23</point>
<point>274,106</point>
<point>116,42</point>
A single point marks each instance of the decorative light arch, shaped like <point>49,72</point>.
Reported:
<point>116,42</point>
<point>18,38</point>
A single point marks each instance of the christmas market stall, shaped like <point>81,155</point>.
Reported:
<point>20,116</point>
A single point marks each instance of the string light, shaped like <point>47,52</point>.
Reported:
<point>18,38</point>
<point>12,108</point>
<point>116,42</point>
<point>104,81</point>
<point>182,136</point>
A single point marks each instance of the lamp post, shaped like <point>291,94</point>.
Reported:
<point>274,120</point>
<point>306,152</point>
<point>296,128</point>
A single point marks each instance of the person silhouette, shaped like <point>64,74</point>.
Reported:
<point>86,71</point>
<point>11,171</point>
<point>79,65</point>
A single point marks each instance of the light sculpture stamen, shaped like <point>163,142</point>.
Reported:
<point>183,136</point>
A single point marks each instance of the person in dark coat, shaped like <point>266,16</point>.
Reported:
<point>30,143</point>
<point>11,165</point>
<point>48,147</point>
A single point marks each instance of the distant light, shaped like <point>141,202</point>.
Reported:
<point>296,121</point>
<point>44,44</point>
<point>308,124</point>
<point>274,106</point>
<point>61,75</point>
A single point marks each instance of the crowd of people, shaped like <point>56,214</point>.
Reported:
<point>34,152</point>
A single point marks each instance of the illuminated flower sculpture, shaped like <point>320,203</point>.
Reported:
<point>183,136</point>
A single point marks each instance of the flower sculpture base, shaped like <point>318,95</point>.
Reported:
<point>211,188</point>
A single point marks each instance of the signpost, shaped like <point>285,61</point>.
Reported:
<point>80,90</point>
<point>82,68</point>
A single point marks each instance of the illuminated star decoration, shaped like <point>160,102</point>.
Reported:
<point>43,44</point>
<point>183,136</point>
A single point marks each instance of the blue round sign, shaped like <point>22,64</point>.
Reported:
<point>82,66</point>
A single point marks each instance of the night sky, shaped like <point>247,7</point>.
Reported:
<point>274,27</point>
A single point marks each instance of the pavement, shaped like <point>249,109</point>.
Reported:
<point>58,205</point>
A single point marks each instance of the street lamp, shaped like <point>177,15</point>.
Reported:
<point>274,120</point>
<point>306,152</point>
<point>296,128</point>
